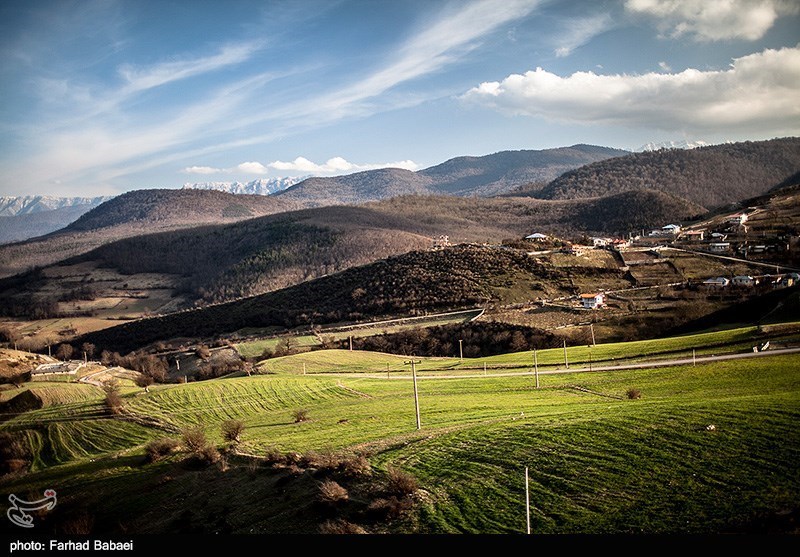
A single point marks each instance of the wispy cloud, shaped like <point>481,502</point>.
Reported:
<point>758,93</point>
<point>455,33</point>
<point>713,20</point>
<point>147,77</point>
<point>581,31</point>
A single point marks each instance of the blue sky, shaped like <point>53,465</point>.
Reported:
<point>101,97</point>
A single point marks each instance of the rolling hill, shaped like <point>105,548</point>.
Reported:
<point>224,262</point>
<point>135,213</point>
<point>409,284</point>
<point>709,176</point>
<point>463,176</point>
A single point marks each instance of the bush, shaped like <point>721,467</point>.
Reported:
<point>400,483</point>
<point>14,454</point>
<point>208,454</point>
<point>331,492</point>
<point>340,526</point>
<point>144,381</point>
<point>159,448</point>
<point>194,439</point>
<point>391,507</point>
<point>633,393</point>
<point>232,430</point>
<point>355,465</point>
<point>113,400</point>
<point>273,455</point>
<point>300,415</point>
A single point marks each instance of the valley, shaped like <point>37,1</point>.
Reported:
<point>194,351</point>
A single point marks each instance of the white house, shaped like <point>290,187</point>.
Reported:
<point>593,301</point>
<point>670,229</point>
<point>536,237</point>
<point>601,242</point>
<point>716,282</point>
<point>696,235</point>
<point>739,218</point>
<point>719,247</point>
<point>744,280</point>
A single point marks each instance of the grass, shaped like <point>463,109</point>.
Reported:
<point>345,361</point>
<point>599,462</point>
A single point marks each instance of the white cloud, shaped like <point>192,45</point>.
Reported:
<point>252,168</point>
<point>664,66</point>
<point>143,78</point>
<point>758,93</point>
<point>713,20</point>
<point>581,31</point>
<point>201,170</point>
<point>336,165</point>
<point>442,42</point>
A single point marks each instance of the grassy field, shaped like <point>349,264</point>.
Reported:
<point>716,342</point>
<point>599,462</point>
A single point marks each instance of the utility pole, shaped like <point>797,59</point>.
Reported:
<point>536,367</point>
<point>387,371</point>
<point>566,362</point>
<point>460,350</point>
<point>591,328</point>
<point>527,503</point>
<point>351,343</point>
<point>177,363</point>
<point>416,393</point>
<point>48,350</point>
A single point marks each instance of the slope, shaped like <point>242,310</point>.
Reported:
<point>464,176</point>
<point>709,176</point>
<point>223,262</point>
<point>135,213</point>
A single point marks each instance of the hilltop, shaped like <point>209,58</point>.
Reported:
<point>132,214</point>
<point>708,176</point>
<point>462,176</point>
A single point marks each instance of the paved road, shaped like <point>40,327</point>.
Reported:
<point>638,365</point>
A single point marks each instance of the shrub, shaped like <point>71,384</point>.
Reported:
<point>159,448</point>
<point>273,455</point>
<point>355,465</point>
<point>208,454</point>
<point>14,454</point>
<point>113,400</point>
<point>400,483</point>
<point>232,430</point>
<point>633,393</point>
<point>340,526</point>
<point>144,381</point>
<point>391,507</point>
<point>300,415</point>
<point>331,492</point>
<point>194,438</point>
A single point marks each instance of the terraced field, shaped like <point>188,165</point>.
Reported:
<point>599,461</point>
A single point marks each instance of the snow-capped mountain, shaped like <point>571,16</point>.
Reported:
<point>262,186</point>
<point>671,145</point>
<point>24,205</point>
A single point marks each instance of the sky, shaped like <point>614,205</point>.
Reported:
<point>100,97</point>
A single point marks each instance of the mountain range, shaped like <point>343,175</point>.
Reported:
<point>484,176</point>
<point>260,186</point>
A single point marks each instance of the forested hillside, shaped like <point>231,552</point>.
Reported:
<point>709,176</point>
